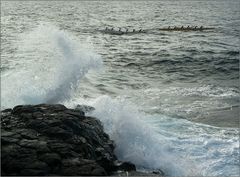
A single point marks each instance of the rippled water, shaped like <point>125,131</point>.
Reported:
<point>203,65</point>
<point>47,49</point>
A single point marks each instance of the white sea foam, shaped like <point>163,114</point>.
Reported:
<point>50,64</point>
<point>51,68</point>
<point>177,146</point>
<point>203,91</point>
<point>188,101</point>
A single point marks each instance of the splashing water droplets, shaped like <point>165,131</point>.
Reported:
<point>55,63</point>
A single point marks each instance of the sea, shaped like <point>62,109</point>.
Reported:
<point>168,99</point>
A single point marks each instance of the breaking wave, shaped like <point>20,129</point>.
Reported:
<point>53,65</point>
<point>176,146</point>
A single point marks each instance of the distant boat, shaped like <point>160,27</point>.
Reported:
<point>185,29</point>
<point>119,32</point>
<point>114,32</point>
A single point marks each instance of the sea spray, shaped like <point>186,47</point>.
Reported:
<point>50,66</point>
<point>75,64</point>
<point>176,146</point>
<point>136,140</point>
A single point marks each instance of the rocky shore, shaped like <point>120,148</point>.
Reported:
<point>54,140</point>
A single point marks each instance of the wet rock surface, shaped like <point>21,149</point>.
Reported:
<point>54,140</point>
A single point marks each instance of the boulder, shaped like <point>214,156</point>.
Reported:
<point>50,139</point>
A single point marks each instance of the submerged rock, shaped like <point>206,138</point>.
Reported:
<point>53,140</point>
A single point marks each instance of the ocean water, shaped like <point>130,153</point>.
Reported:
<point>169,100</point>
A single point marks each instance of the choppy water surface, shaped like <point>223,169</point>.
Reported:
<point>149,89</point>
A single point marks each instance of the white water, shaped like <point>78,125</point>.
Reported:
<point>52,63</point>
<point>52,71</point>
<point>177,146</point>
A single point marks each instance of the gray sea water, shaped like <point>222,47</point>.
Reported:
<point>162,96</point>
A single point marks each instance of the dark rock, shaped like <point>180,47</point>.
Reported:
<point>126,166</point>
<point>7,110</point>
<point>52,159</point>
<point>26,115</point>
<point>50,139</point>
<point>57,132</point>
<point>54,122</point>
<point>22,109</point>
<point>37,114</point>
<point>7,133</point>
<point>158,172</point>
<point>31,143</point>
<point>29,134</point>
<point>37,165</point>
<point>80,167</point>
<point>98,172</point>
<point>33,172</point>
<point>76,113</point>
<point>8,140</point>
<point>85,108</point>
<point>43,108</point>
<point>37,125</point>
<point>76,127</point>
<point>133,173</point>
